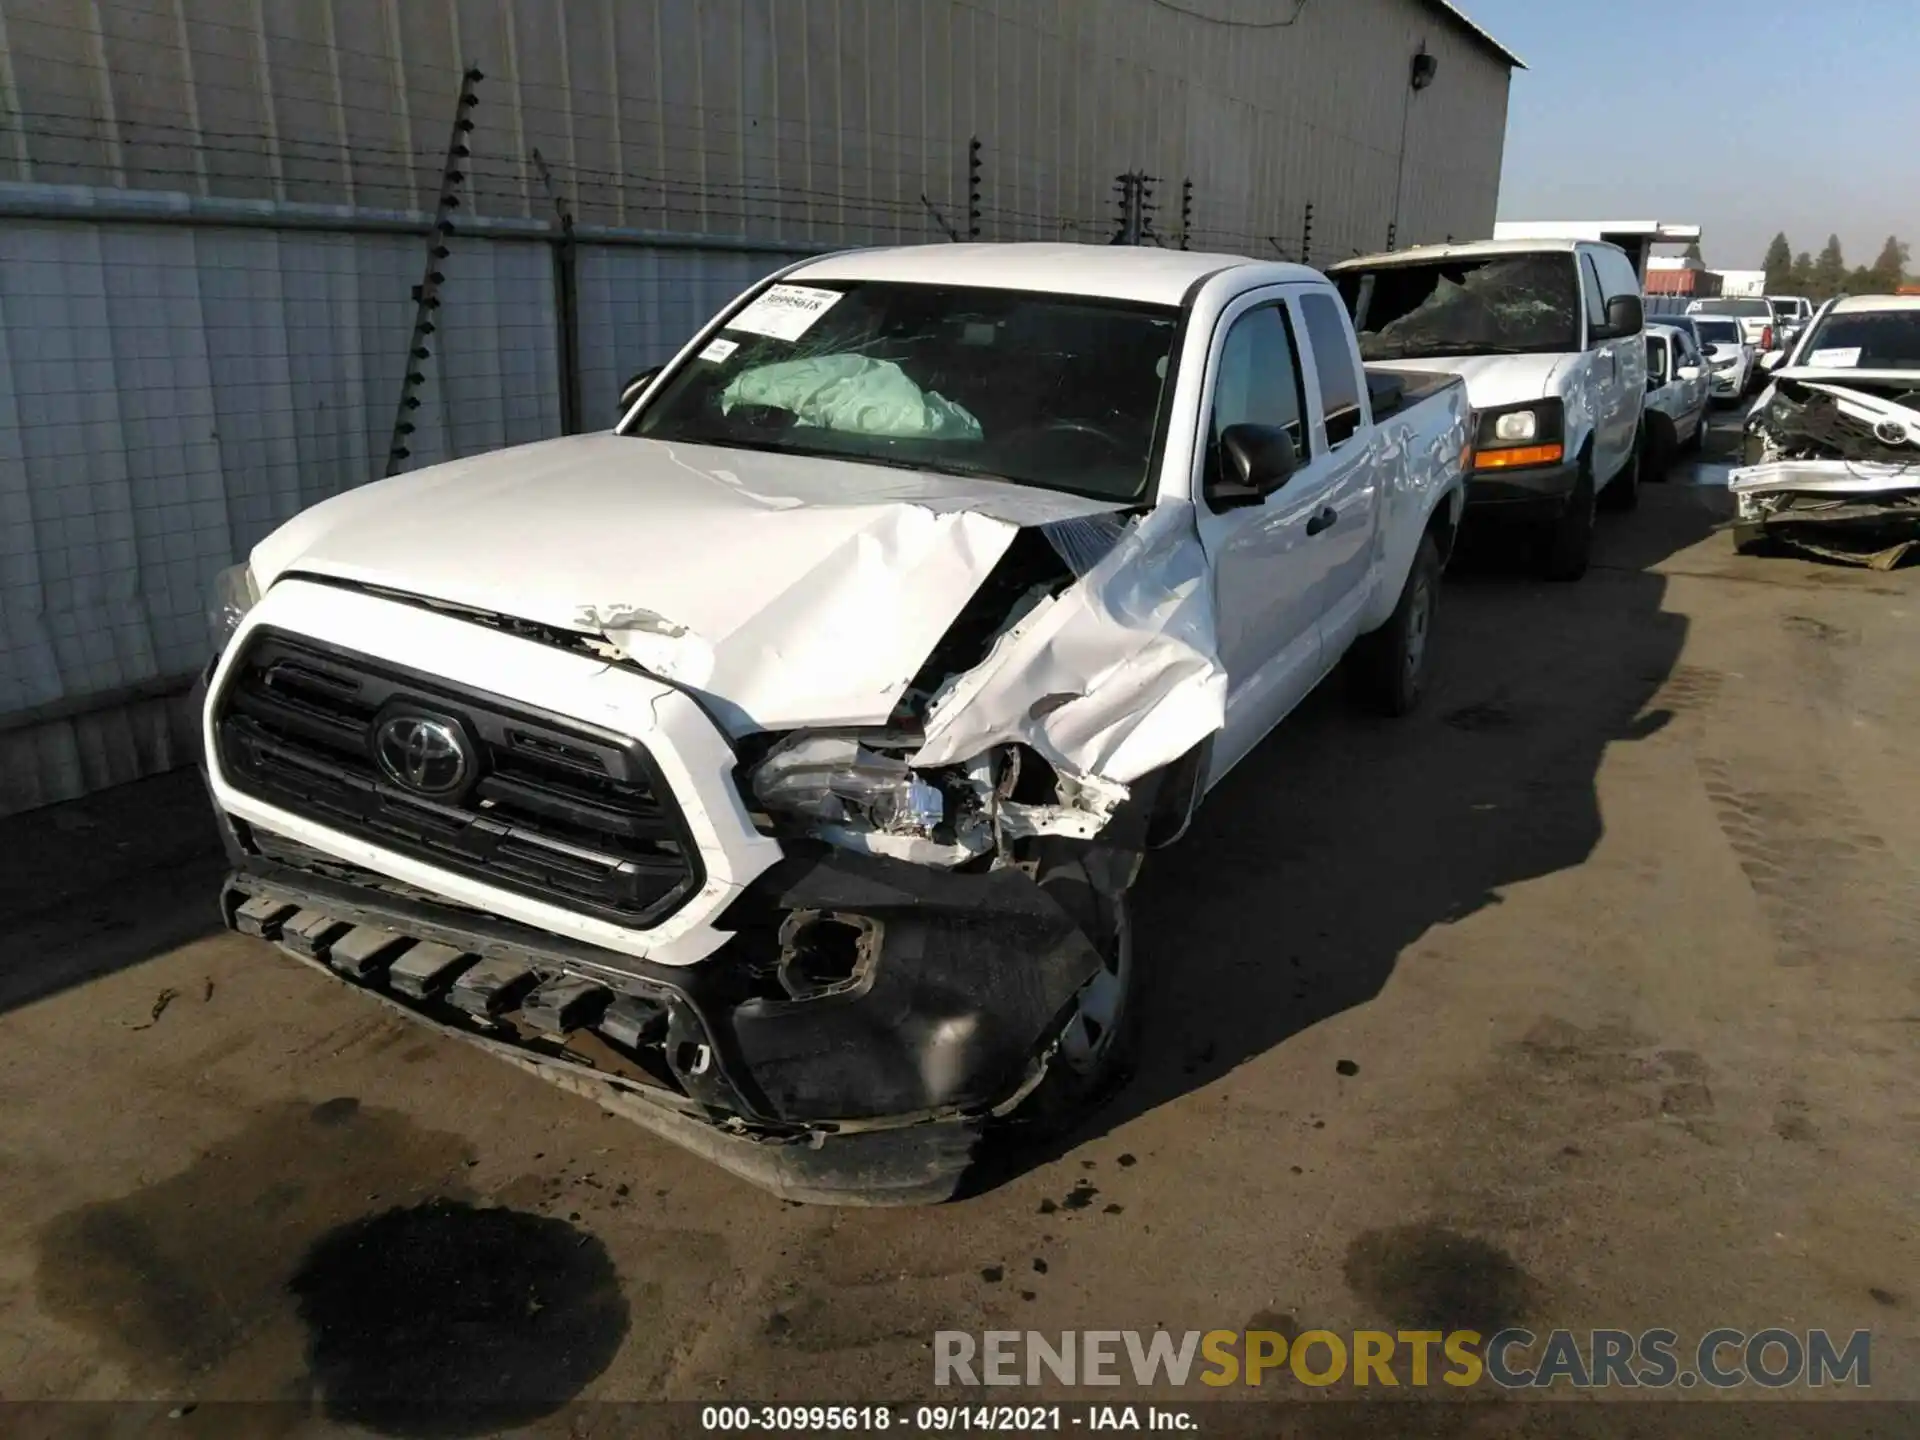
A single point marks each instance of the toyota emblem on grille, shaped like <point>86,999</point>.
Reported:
<point>429,756</point>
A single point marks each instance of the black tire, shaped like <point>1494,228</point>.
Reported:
<point>1079,1077</point>
<point>1567,546</point>
<point>1654,450</point>
<point>1699,438</point>
<point>1388,668</point>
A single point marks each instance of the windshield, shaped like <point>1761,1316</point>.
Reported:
<point>1052,391</point>
<point>1784,309</point>
<point>1718,332</point>
<point>1748,309</point>
<point>1871,340</point>
<point>1500,305</point>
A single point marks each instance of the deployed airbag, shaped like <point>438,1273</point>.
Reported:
<point>852,394</point>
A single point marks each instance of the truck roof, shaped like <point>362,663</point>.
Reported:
<point>1470,250</point>
<point>1864,304</point>
<point>1113,272</point>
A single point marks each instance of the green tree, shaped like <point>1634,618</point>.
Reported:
<point>1800,278</point>
<point>1830,270</point>
<point>1779,265</point>
<point>1693,252</point>
<point>1889,272</point>
<point>1861,281</point>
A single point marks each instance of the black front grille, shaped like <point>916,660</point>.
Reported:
<point>554,809</point>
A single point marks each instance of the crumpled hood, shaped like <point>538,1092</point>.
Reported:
<point>1492,380</point>
<point>788,590</point>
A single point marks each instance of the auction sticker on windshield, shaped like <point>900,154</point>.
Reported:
<point>785,312</point>
<point>1848,359</point>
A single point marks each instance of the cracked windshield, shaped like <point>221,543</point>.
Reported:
<point>1049,391</point>
<point>1506,305</point>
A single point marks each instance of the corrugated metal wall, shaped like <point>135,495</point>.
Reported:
<point>779,118</point>
<point>169,393</point>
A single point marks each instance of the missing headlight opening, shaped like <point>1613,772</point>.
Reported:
<point>826,953</point>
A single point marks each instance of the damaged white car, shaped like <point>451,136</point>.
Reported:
<point>1833,446</point>
<point>775,768</point>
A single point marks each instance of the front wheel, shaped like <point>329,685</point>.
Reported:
<point>1647,461</point>
<point>1388,669</point>
<point>1096,1041</point>
<point>1567,547</point>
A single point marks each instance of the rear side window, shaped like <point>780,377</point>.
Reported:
<point>1333,358</point>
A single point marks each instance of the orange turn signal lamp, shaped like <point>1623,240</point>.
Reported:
<point>1519,456</point>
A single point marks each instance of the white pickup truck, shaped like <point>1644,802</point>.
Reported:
<point>774,769</point>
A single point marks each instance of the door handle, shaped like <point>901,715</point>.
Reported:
<point>1325,520</point>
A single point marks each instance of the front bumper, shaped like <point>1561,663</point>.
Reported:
<point>1540,490</point>
<point>874,1090</point>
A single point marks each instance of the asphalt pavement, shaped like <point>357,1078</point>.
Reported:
<point>1585,997</point>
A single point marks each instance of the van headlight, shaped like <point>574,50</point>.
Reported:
<point>234,594</point>
<point>1516,426</point>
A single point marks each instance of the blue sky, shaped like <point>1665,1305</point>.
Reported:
<point>1638,109</point>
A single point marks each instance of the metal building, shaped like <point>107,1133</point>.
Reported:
<point>214,215</point>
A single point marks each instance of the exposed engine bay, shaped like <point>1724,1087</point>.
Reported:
<point>1833,469</point>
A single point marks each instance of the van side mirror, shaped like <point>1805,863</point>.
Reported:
<point>1255,461</point>
<point>630,391</point>
<point>1625,316</point>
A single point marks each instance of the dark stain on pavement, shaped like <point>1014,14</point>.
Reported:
<point>446,1319</point>
<point>176,1280</point>
<point>1433,1278</point>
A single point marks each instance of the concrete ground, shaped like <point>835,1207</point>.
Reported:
<point>1586,997</point>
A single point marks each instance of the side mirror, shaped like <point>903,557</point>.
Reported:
<point>630,391</point>
<point>1773,359</point>
<point>1255,461</point>
<point>1625,316</point>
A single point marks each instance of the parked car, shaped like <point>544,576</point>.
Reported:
<point>1734,363</point>
<point>1790,316</point>
<point>775,768</point>
<point>1832,458</point>
<point>1548,336</point>
<point>1755,315</point>
<point>1678,389</point>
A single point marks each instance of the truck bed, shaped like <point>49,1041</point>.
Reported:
<point>1392,391</point>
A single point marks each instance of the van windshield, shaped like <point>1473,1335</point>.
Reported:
<point>1496,305</point>
<point>1058,392</point>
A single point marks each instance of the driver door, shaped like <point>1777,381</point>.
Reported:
<point>1269,569</point>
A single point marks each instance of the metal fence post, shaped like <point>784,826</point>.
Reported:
<point>1306,236</point>
<point>973,188</point>
<point>426,295</point>
<point>566,299</point>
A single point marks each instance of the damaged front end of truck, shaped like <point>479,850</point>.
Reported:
<point>942,945</point>
<point>1832,468</point>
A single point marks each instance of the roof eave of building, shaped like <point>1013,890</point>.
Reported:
<point>1459,18</point>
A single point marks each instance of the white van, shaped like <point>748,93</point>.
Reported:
<point>1548,336</point>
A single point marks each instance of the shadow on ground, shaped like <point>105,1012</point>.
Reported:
<point>1342,840</point>
<point>96,885</point>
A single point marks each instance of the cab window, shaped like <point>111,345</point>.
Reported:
<point>1258,383</point>
<point>1596,298</point>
